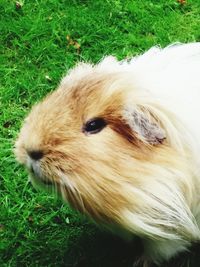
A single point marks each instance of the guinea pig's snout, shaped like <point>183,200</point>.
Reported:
<point>35,168</point>
<point>35,154</point>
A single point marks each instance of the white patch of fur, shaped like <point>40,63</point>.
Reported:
<point>157,250</point>
<point>170,77</point>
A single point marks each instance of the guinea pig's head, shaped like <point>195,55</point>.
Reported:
<point>95,143</point>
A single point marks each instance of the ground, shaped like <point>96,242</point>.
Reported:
<point>40,40</point>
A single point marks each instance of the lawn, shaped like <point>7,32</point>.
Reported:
<point>39,41</point>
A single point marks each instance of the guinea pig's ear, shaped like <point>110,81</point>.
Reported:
<point>144,126</point>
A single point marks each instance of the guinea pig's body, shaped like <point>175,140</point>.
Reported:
<point>119,141</point>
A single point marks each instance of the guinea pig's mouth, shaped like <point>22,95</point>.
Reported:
<point>40,179</point>
<point>37,175</point>
<point>44,184</point>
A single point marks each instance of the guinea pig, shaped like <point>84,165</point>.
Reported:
<point>119,141</point>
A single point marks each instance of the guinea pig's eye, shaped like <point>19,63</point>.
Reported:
<point>94,126</point>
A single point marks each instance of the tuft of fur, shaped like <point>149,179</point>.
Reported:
<point>141,172</point>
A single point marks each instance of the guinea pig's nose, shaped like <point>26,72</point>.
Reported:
<point>36,154</point>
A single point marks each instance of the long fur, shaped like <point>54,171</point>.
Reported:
<point>141,172</point>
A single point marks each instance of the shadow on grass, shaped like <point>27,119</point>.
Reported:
<point>105,250</point>
<point>88,247</point>
<point>101,250</point>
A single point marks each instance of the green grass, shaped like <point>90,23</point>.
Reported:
<point>36,229</point>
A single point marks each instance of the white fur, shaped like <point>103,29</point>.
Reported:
<point>169,79</point>
<point>172,76</point>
